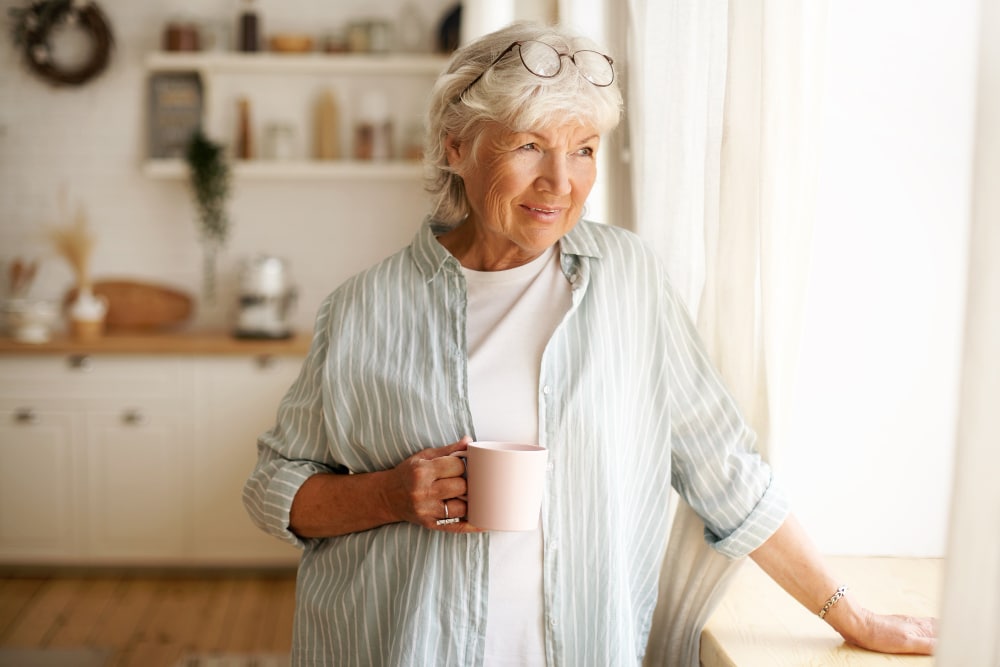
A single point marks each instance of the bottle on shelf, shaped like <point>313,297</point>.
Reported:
<point>373,130</point>
<point>411,29</point>
<point>279,141</point>
<point>327,129</point>
<point>244,131</point>
<point>249,28</point>
<point>413,141</point>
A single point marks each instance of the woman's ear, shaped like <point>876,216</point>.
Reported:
<point>453,149</point>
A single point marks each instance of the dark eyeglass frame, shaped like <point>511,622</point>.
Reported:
<point>561,54</point>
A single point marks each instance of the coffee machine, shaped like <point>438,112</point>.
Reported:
<point>266,299</point>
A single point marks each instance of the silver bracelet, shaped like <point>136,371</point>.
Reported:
<point>834,599</point>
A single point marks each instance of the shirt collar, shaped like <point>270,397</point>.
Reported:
<point>580,241</point>
<point>430,256</point>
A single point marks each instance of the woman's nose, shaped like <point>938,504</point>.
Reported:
<point>554,176</point>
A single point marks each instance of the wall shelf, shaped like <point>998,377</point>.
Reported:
<point>213,72</point>
<point>305,63</point>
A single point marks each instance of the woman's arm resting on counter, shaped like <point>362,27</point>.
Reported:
<point>790,558</point>
<point>328,505</point>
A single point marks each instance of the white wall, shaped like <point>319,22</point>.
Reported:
<point>88,144</point>
<point>869,469</point>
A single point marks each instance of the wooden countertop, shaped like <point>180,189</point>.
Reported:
<point>180,343</point>
<point>759,624</point>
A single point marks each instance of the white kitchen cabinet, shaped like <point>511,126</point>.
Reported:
<point>134,459</point>
<point>79,429</point>
<point>38,483</point>
<point>236,400</point>
<point>136,495</point>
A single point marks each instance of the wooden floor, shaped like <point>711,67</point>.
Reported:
<point>148,621</point>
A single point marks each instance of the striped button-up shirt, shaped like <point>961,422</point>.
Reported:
<point>628,405</point>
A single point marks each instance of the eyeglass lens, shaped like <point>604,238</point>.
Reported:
<point>543,60</point>
<point>594,67</point>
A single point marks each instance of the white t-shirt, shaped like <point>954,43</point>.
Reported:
<point>511,316</point>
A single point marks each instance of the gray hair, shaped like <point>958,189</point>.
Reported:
<point>507,94</point>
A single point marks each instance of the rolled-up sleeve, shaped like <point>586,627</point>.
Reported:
<point>715,466</point>
<point>295,448</point>
<point>762,522</point>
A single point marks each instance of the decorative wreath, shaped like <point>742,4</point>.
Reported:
<point>32,28</point>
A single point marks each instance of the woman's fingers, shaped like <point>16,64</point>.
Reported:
<point>447,450</point>
<point>430,478</point>
<point>444,463</point>
<point>457,507</point>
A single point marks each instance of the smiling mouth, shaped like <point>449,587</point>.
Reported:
<point>542,210</point>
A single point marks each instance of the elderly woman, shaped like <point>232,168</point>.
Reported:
<point>510,318</point>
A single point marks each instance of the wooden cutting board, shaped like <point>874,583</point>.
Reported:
<point>137,305</point>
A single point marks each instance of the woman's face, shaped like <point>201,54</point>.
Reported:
<point>525,189</point>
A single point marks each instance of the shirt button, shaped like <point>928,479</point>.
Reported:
<point>552,622</point>
<point>547,390</point>
<point>550,466</point>
<point>553,545</point>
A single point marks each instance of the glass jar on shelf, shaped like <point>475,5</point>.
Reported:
<point>279,141</point>
<point>373,129</point>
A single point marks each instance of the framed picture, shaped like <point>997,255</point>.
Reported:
<point>175,110</point>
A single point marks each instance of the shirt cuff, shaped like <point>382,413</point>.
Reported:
<point>281,490</point>
<point>763,521</point>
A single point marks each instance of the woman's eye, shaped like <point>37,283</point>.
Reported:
<point>586,151</point>
<point>529,147</point>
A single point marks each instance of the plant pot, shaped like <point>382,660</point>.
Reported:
<point>87,314</point>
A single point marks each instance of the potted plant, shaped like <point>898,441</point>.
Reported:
<point>87,310</point>
<point>209,178</point>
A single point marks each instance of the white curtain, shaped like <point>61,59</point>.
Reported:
<point>723,115</point>
<point>971,613</point>
<point>758,248</point>
<point>483,16</point>
<point>480,17</point>
<point>675,75</point>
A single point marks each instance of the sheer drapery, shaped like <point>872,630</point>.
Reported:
<point>675,89</point>
<point>483,16</point>
<point>734,230</point>
<point>758,247</point>
<point>971,614</point>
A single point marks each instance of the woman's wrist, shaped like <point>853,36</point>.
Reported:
<point>847,617</point>
<point>329,504</point>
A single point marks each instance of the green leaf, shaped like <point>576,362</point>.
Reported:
<point>209,175</point>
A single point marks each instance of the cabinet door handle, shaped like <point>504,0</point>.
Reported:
<point>25,416</point>
<point>133,417</point>
<point>80,362</point>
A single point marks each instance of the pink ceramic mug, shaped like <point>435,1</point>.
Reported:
<point>506,483</point>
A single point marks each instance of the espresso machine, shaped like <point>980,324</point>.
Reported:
<point>266,299</point>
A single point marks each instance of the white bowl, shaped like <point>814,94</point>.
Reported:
<point>30,320</point>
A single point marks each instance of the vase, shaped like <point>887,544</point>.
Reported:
<point>87,314</point>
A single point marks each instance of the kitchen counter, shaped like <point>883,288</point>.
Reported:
<point>184,343</point>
